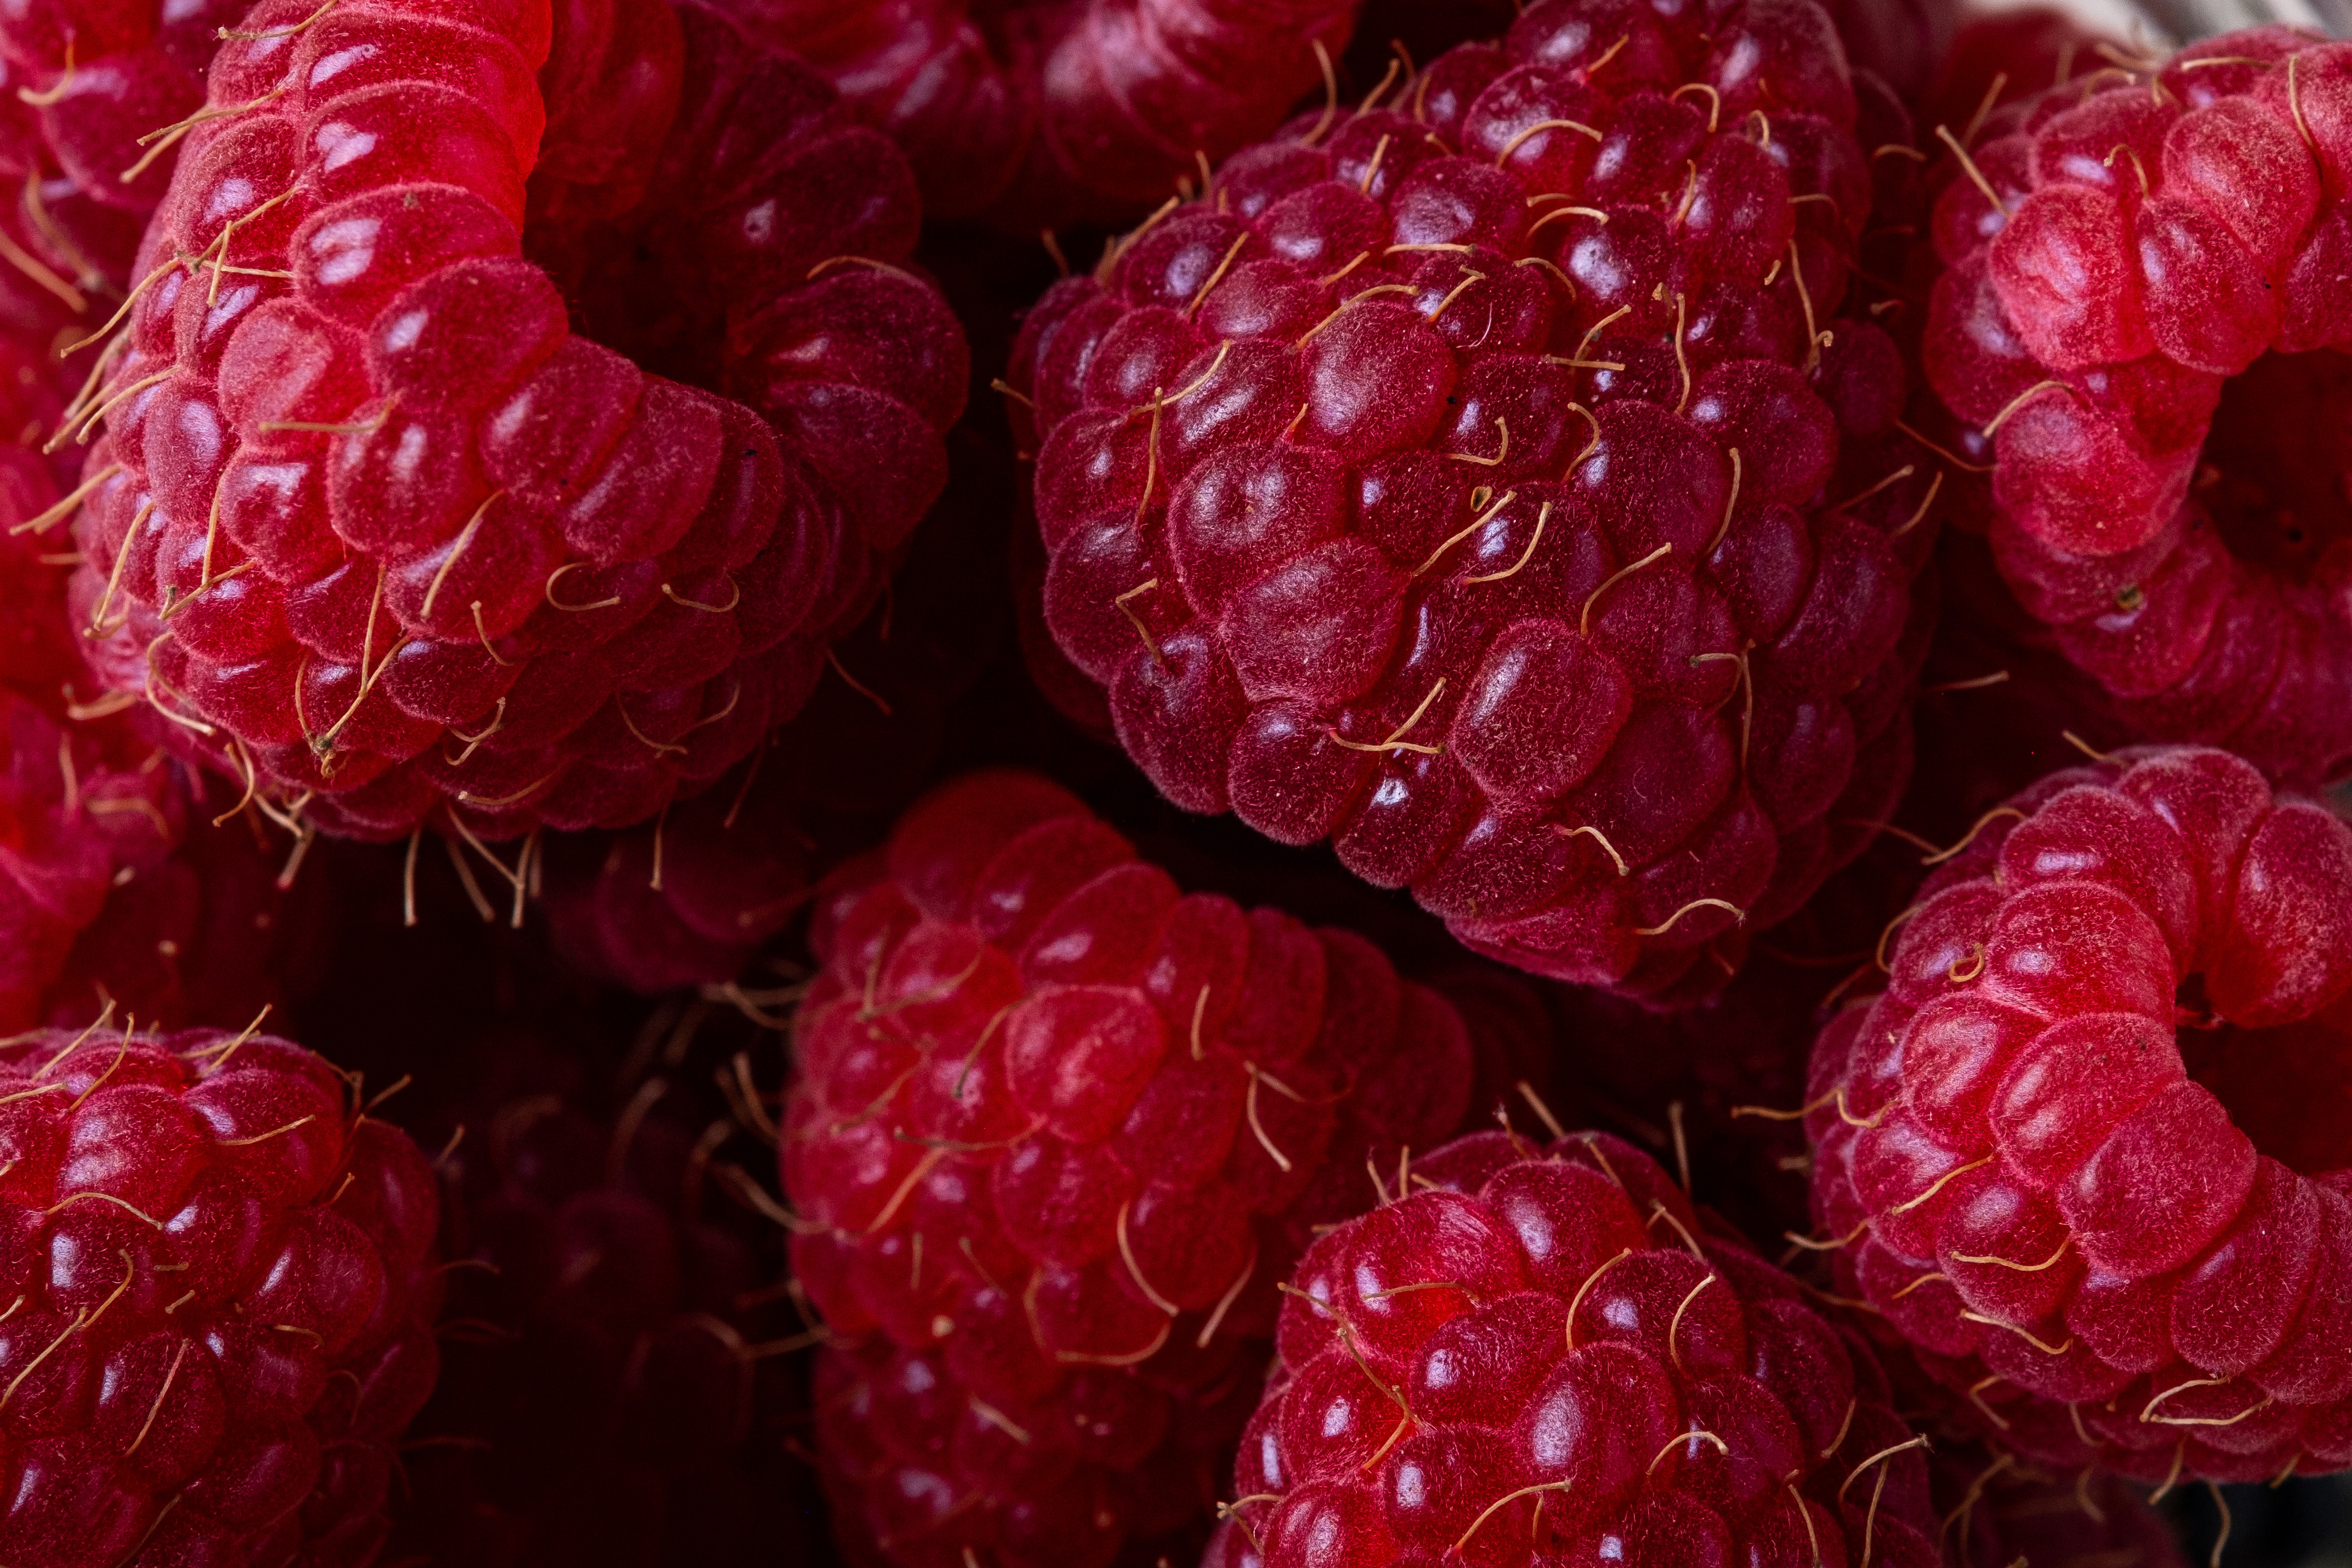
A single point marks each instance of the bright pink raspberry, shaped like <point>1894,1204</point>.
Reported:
<point>1472,481</point>
<point>2141,315</point>
<point>381,536</point>
<point>1056,1132</point>
<point>2084,1153</point>
<point>1048,113</point>
<point>1545,1354</point>
<point>221,1296</point>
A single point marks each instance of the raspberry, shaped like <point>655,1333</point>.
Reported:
<point>1427,1403</point>
<point>1065,111</point>
<point>621,1396</point>
<point>1999,58</point>
<point>2139,315</point>
<point>91,78</point>
<point>74,821</point>
<point>688,899</point>
<point>1999,1513</point>
<point>223,1294</point>
<point>1045,1230</point>
<point>1558,626</point>
<point>386,541</point>
<point>2082,1152</point>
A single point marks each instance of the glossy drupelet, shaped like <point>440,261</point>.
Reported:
<point>388,540</point>
<point>1454,480</point>
<point>1069,111</point>
<point>2140,313</point>
<point>222,1291</point>
<point>2084,1154</point>
<point>1545,1356</point>
<point>1056,1133</point>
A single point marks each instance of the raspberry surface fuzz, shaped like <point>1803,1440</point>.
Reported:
<point>221,1298</point>
<point>2142,314</point>
<point>1484,480</point>
<point>1056,1132</point>
<point>2086,1153</point>
<point>382,535</point>
<point>1545,1355</point>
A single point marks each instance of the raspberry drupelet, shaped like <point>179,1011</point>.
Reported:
<point>1544,1355</point>
<point>1056,1133</point>
<point>1484,480</point>
<point>222,1292</point>
<point>2140,314</point>
<point>2084,1152</point>
<point>381,536</point>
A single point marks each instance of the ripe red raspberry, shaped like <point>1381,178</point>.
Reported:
<point>221,1293</point>
<point>1511,516</point>
<point>1064,110</point>
<point>1057,1132</point>
<point>616,1394</point>
<point>2081,1153</point>
<point>1428,1403</point>
<point>2139,314</point>
<point>385,539</point>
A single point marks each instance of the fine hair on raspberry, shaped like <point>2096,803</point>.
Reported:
<point>379,536</point>
<point>1484,477</point>
<point>1542,1354</point>
<point>2081,1153</point>
<point>1056,1133</point>
<point>2141,318</point>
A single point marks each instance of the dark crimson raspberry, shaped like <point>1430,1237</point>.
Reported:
<point>2141,316</point>
<point>1544,1355</point>
<point>1054,112</point>
<point>1056,1132</point>
<point>375,531</point>
<point>1998,1512</point>
<point>1999,57</point>
<point>222,1294</point>
<point>1474,482</point>
<point>616,1387</point>
<point>689,899</point>
<point>1997,701</point>
<point>75,819</point>
<point>2084,1152</point>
